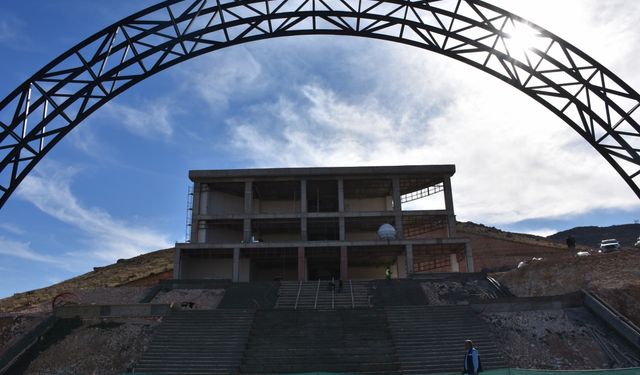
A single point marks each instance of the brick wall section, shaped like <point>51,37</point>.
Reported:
<point>495,254</point>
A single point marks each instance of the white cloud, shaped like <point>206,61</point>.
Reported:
<point>107,239</point>
<point>217,77</point>
<point>85,138</point>
<point>515,159</point>
<point>12,31</point>
<point>23,250</point>
<point>12,228</point>
<point>151,119</point>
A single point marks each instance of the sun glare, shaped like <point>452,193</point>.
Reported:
<point>522,37</point>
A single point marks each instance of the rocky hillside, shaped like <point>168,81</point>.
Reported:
<point>614,276</point>
<point>496,250</point>
<point>627,234</point>
<point>137,271</point>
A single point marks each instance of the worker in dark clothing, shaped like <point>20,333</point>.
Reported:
<point>471,360</point>
<point>571,243</point>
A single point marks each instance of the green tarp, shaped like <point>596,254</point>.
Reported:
<point>514,371</point>
<point>506,371</point>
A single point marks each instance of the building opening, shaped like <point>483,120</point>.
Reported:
<point>323,263</point>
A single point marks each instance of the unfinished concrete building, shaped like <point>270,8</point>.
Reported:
<point>321,223</point>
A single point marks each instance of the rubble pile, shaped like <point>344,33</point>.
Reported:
<point>12,327</point>
<point>453,292</point>
<point>613,276</point>
<point>98,348</point>
<point>198,299</point>
<point>111,296</point>
<point>559,340</point>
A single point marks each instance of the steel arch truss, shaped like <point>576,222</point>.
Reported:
<point>587,96</point>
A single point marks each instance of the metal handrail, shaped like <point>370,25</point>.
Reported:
<point>315,304</point>
<point>295,307</point>
<point>353,303</point>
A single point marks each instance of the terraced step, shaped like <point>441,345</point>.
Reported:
<point>430,339</point>
<point>352,341</point>
<point>198,342</point>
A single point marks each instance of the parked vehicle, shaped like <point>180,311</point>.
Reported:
<point>609,245</point>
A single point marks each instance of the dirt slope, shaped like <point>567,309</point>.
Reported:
<point>613,276</point>
<point>136,271</point>
<point>495,250</point>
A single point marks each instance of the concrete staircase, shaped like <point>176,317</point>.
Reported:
<point>198,342</point>
<point>430,339</point>
<point>261,295</point>
<point>344,341</point>
<point>319,295</point>
<point>397,292</point>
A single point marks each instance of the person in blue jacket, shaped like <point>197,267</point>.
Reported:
<point>471,359</point>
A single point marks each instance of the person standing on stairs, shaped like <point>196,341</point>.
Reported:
<point>471,360</point>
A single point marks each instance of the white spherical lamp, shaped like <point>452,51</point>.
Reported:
<point>387,232</point>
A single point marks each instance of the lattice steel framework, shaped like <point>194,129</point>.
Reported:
<point>587,96</point>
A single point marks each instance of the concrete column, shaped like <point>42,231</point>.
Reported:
<point>469,257</point>
<point>204,199</point>
<point>196,198</point>
<point>341,228</point>
<point>397,208</point>
<point>302,265</point>
<point>177,262</point>
<point>340,195</point>
<point>195,211</point>
<point>248,210</point>
<point>344,264</point>
<point>455,266</point>
<point>401,262</point>
<point>399,231</point>
<point>202,232</point>
<point>395,190</point>
<point>408,250</point>
<point>235,272</point>
<point>303,196</point>
<point>303,210</point>
<point>248,197</point>
<point>448,204</point>
<point>246,230</point>
<point>303,228</point>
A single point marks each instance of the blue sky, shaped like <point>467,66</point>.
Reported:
<point>117,185</point>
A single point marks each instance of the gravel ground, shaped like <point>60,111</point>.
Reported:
<point>99,296</point>
<point>452,292</point>
<point>202,299</point>
<point>558,340</point>
<point>111,296</point>
<point>96,348</point>
<point>13,327</point>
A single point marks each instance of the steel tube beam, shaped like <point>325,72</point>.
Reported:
<point>597,104</point>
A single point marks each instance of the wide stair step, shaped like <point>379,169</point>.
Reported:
<point>344,341</point>
<point>199,342</point>
<point>430,339</point>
